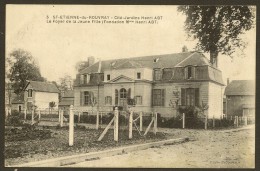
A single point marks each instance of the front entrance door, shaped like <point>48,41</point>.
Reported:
<point>123,98</point>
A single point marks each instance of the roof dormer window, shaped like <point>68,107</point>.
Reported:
<point>29,92</point>
<point>190,72</point>
<point>138,75</point>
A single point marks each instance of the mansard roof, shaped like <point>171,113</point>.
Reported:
<point>42,86</point>
<point>153,61</point>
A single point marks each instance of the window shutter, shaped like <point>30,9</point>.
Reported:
<point>185,72</point>
<point>81,98</point>
<point>163,97</point>
<point>129,93</point>
<point>116,97</point>
<point>183,95</point>
<point>197,97</point>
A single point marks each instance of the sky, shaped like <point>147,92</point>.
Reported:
<point>58,47</point>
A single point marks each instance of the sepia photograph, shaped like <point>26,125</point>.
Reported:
<point>130,86</point>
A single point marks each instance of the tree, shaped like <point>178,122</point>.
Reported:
<point>66,83</point>
<point>22,67</point>
<point>218,27</point>
<point>52,105</point>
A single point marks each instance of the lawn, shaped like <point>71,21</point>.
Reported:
<point>34,144</point>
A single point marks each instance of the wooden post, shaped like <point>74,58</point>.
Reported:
<point>206,122</point>
<point>213,121</point>
<point>71,126</point>
<point>141,121</point>
<point>155,123</point>
<point>39,115</point>
<point>245,120</point>
<point>33,115</point>
<point>25,112</point>
<point>59,115</point>
<point>183,120</point>
<point>78,117</point>
<point>61,118</point>
<point>131,125</point>
<point>101,114</point>
<point>97,120</point>
<point>116,124</point>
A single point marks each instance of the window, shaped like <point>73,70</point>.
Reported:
<point>157,75</point>
<point>158,97</point>
<point>139,75</point>
<point>20,108</point>
<point>86,98</point>
<point>86,78</point>
<point>138,100</point>
<point>108,77</point>
<point>189,72</point>
<point>123,93</point>
<point>108,100</point>
<point>29,92</point>
<point>190,97</point>
<point>81,79</point>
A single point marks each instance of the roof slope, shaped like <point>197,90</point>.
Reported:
<point>18,99</point>
<point>43,86</point>
<point>240,87</point>
<point>154,61</point>
<point>69,93</point>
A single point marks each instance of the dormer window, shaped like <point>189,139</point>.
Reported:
<point>108,77</point>
<point>29,92</point>
<point>157,74</point>
<point>139,75</point>
<point>190,72</point>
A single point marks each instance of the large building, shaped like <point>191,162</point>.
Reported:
<point>154,82</point>
<point>240,98</point>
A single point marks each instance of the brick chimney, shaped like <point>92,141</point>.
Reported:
<point>91,60</point>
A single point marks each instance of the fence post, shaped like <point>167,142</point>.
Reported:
<point>25,112</point>
<point>71,126</point>
<point>206,122</point>
<point>97,120</point>
<point>141,121</point>
<point>61,118</point>
<point>213,121</point>
<point>101,114</point>
<point>116,124</point>
<point>155,123</point>
<point>131,125</point>
<point>32,115</point>
<point>39,115</point>
<point>6,114</point>
<point>183,120</point>
<point>245,120</point>
<point>59,114</point>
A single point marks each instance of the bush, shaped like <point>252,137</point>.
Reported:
<point>15,118</point>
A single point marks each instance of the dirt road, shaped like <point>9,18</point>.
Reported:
<point>207,149</point>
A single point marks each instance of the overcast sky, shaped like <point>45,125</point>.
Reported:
<point>57,47</point>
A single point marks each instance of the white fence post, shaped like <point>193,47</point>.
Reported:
<point>116,124</point>
<point>71,126</point>
<point>131,125</point>
<point>245,120</point>
<point>61,118</point>
<point>6,113</point>
<point>33,115</point>
<point>155,123</point>
<point>25,112</point>
<point>78,117</point>
<point>183,120</point>
<point>141,121</point>
<point>237,120</point>
<point>39,115</point>
<point>59,115</point>
<point>97,120</point>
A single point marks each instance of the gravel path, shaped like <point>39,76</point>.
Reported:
<point>207,149</point>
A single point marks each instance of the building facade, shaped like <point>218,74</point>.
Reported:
<point>240,98</point>
<point>40,94</point>
<point>154,83</point>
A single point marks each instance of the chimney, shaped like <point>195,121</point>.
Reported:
<point>99,66</point>
<point>227,81</point>
<point>91,60</point>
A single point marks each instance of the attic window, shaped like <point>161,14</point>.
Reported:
<point>139,75</point>
<point>189,72</point>
<point>29,92</point>
<point>108,77</point>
